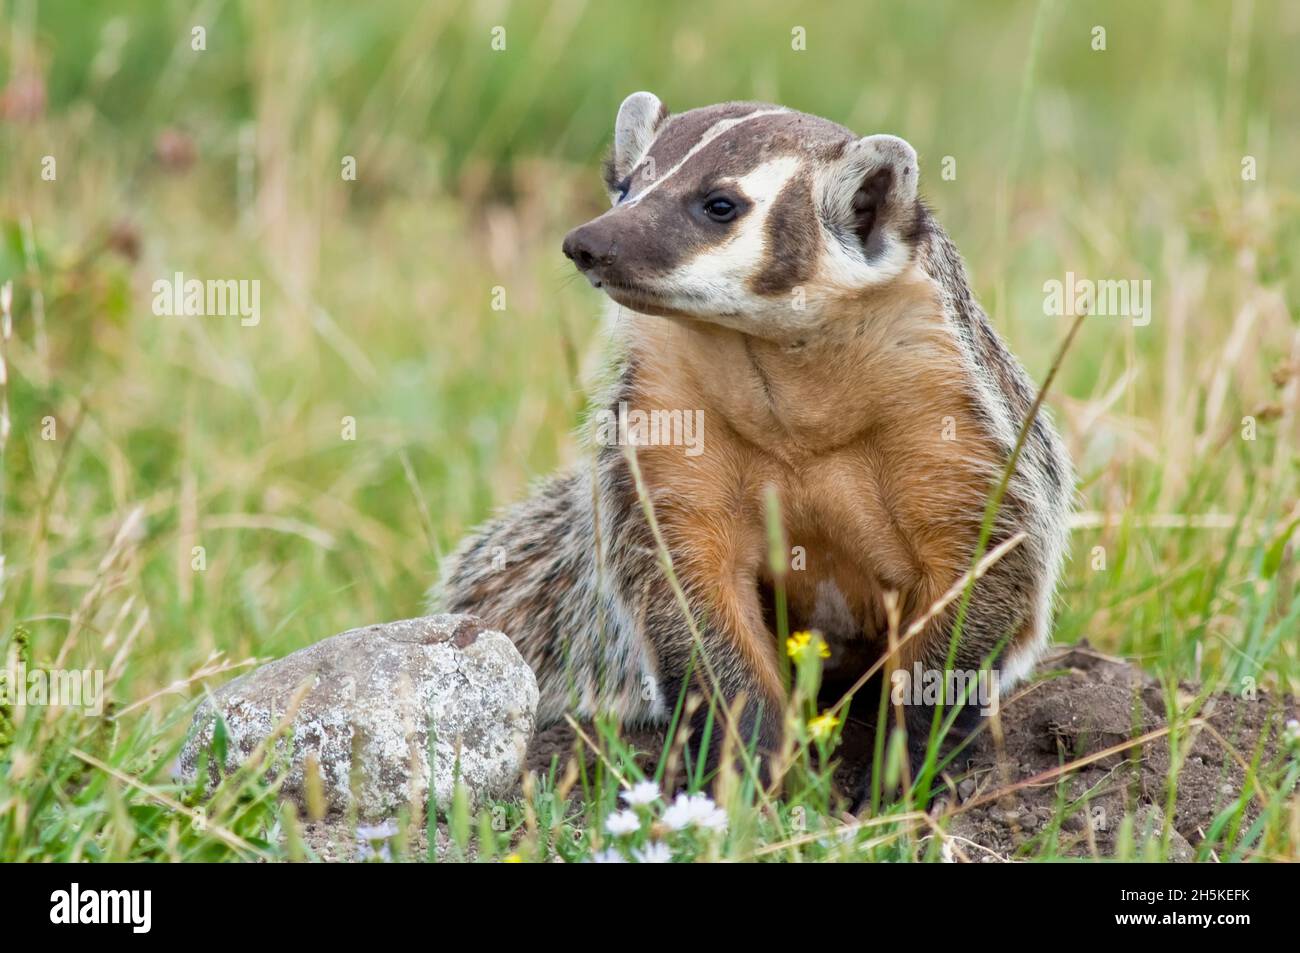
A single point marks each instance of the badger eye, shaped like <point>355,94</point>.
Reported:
<point>720,209</point>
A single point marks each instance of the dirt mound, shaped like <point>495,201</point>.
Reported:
<point>1062,761</point>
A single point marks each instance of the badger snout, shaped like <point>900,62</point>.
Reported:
<point>592,249</point>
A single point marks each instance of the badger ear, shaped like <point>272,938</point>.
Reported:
<point>875,188</point>
<point>638,121</point>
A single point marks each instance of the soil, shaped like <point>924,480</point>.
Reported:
<point>1004,790</point>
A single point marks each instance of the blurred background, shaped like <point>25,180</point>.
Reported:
<point>1171,154</point>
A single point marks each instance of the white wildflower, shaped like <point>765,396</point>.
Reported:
<point>653,853</point>
<point>381,831</point>
<point>372,840</point>
<point>641,794</point>
<point>695,810</point>
<point>622,822</point>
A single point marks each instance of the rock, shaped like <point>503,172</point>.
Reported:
<point>376,691</point>
<point>1149,823</point>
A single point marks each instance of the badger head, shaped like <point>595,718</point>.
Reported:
<point>750,216</point>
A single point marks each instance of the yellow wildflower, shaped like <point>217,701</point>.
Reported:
<point>799,641</point>
<point>823,725</point>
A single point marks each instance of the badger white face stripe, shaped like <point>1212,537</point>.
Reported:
<point>717,129</point>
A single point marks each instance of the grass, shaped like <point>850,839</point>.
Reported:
<point>135,439</point>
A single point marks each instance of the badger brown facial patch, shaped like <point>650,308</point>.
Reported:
<point>685,131</point>
<point>751,132</point>
<point>793,239</point>
<point>658,229</point>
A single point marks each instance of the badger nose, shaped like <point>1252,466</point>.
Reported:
<point>588,249</point>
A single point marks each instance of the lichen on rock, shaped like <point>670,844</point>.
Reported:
<point>420,703</point>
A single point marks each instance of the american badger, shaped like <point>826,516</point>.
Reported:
<point>778,273</point>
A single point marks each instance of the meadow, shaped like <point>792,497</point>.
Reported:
<point>183,495</point>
